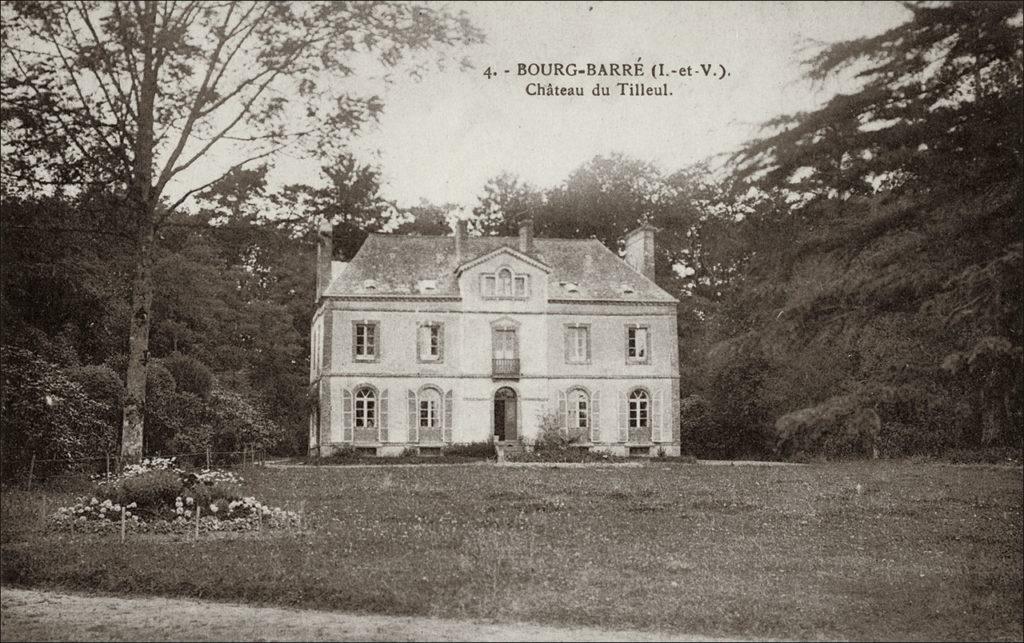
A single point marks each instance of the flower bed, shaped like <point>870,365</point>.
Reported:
<point>156,496</point>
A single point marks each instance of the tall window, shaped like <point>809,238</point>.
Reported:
<point>637,348</point>
<point>366,408</point>
<point>504,343</point>
<point>365,341</point>
<point>577,344</point>
<point>430,338</point>
<point>639,409</point>
<point>489,285</point>
<point>430,409</point>
<point>579,409</point>
<point>505,283</point>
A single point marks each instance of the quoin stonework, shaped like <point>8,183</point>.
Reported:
<point>425,341</point>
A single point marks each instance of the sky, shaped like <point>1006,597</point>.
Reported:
<point>441,138</point>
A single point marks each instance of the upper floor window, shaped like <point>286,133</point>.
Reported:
<point>505,284</point>
<point>637,344</point>
<point>365,341</point>
<point>430,342</point>
<point>577,344</point>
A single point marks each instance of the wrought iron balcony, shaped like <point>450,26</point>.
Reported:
<point>505,369</point>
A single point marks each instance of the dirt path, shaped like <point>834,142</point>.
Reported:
<point>31,615</point>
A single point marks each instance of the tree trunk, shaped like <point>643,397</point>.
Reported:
<point>138,344</point>
<point>143,202</point>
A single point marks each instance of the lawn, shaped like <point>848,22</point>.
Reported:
<point>855,551</point>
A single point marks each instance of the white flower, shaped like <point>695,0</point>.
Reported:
<point>189,501</point>
<point>213,508</point>
<point>94,501</point>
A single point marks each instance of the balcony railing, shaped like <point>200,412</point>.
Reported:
<point>505,369</point>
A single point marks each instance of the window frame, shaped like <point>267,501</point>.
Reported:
<point>575,396</point>
<point>491,284</point>
<point>570,343</point>
<point>375,325</point>
<point>434,326</point>
<point>370,408</point>
<point>633,416</point>
<point>646,359</point>
<point>433,400</point>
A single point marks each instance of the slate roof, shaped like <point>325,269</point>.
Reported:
<point>397,263</point>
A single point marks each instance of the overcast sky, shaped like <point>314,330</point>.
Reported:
<point>441,138</point>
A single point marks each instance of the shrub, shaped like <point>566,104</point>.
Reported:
<point>47,414</point>
<point>150,490</point>
<point>471,450</point>
<point>554,436</point>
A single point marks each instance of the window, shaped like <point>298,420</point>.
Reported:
<point>520,286</point>
<point>639,409</point>
<point>505,284</point>
<point>365,341</point>
<point>637,344</point>
<point>488,287</point>
<point>430,409</point>
<point>577,344</point>
<point>366,408</point>
<point>579,409</point>
<point>504,343</point>
<point>429,342</point>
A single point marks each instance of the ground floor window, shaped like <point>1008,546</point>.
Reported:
<point>366,408</point>
<point>639,409</point>
<point>579,409</point>
<point>430,409</point>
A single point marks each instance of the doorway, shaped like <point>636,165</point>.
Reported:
<point>505,414</point>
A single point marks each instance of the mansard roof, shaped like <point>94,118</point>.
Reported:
<point>390,265</point>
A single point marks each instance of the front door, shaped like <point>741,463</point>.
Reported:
<point>505,420</point>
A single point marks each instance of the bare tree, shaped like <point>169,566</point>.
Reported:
<point>135,94</point>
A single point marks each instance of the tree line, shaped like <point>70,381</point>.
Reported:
<point>865,256</point>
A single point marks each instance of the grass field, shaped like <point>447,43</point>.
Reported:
<point>855,551</point>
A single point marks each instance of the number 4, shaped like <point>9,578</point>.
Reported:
<point>490,73</point>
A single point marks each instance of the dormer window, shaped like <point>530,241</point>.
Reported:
<point>570,286</point>
<point>369,284</point>
<point>426,285</point>
<point>505,284</point>
<point>627,289</point>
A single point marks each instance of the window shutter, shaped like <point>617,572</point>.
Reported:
<point>567,338</point>
<point>414,426</point>
<point>595,417</point>
<point>563,415</point>
<point>623,418</point>
<point>382,425</point>
<point>448,408</point>
<point>656,417</point>
<point>346,415</point>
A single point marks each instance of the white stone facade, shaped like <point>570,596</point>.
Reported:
<point>422,369</point>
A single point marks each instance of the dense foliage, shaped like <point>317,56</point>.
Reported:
<point>864,258</point>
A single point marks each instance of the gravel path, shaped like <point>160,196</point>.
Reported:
<point>31,615</point>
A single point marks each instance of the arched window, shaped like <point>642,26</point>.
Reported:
<point>430,409</point>
<point>639,409</point>
<point>366,408</point>
<point>579,409</point>
<point>505,283</point>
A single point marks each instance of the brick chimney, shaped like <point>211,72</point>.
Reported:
<point>640,250</point>
<point>324,256</point>
<point>526,236</point>
<point>460,240</point>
